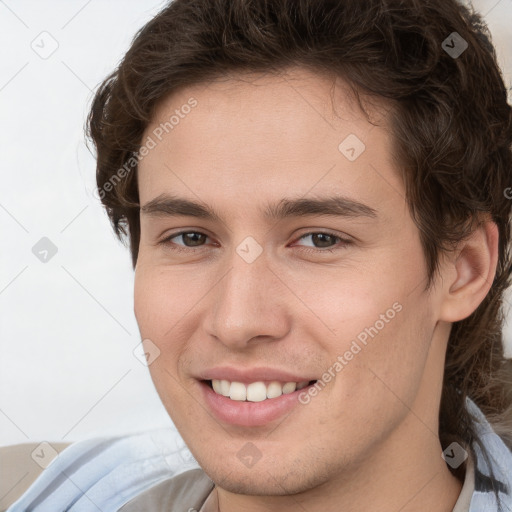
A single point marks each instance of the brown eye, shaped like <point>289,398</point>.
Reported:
<point>323,239</point>
<point>186,239</point>
<point>193,239</point>
<point>322,243</point>
<point>320,240</point>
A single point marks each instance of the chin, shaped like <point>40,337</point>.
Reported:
<point>267,479</point>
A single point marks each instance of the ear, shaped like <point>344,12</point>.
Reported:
<point>469,273</point>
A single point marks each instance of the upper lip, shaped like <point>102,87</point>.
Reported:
<point>248,375</point>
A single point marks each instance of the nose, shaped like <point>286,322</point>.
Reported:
<point>248,304</point>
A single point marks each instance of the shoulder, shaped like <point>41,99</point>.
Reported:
<point>107,472</point>
<point>21,464</point>
<point>493,466</point>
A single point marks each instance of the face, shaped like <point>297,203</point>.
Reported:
<point>277,251</point>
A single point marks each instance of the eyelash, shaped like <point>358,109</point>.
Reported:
<point>180,248</point>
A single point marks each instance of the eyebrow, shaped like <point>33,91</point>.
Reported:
<point>338,206</point>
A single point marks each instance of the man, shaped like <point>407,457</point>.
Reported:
<point>315,198</point>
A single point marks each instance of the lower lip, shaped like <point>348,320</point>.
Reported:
<point>249,414</point>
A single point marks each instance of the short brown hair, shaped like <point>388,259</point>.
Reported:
<point>450,119</point>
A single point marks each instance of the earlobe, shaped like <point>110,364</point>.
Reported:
<point>471,274</point>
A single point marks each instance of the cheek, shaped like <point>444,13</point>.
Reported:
<point>380,324</point>
<point>342,303</point>
<point>383,379</point>
<point>161,303</point>
<point>162,299</point>
<point>168,305</point>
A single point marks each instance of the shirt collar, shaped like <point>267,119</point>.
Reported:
<point>492,467</point>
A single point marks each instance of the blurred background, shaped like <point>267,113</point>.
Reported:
<point>70,365</point>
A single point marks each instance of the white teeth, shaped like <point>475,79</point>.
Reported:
<point>255,391</point>
<point>237,391</point>
<point>224,387</point>
<point>289,387</point>
<point>216,384</point>
<point>274,389</point>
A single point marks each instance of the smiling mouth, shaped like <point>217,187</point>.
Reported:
<point>258,391</point>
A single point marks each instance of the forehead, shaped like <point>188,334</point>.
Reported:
<point>253,132</point>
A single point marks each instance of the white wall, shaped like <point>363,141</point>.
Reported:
<point>67,328</point>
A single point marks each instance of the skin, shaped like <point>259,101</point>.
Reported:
<point>368,440</point>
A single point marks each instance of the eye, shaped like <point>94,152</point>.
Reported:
<point>189,239</point>
<point>322,241</point>
<point>318,241</point>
